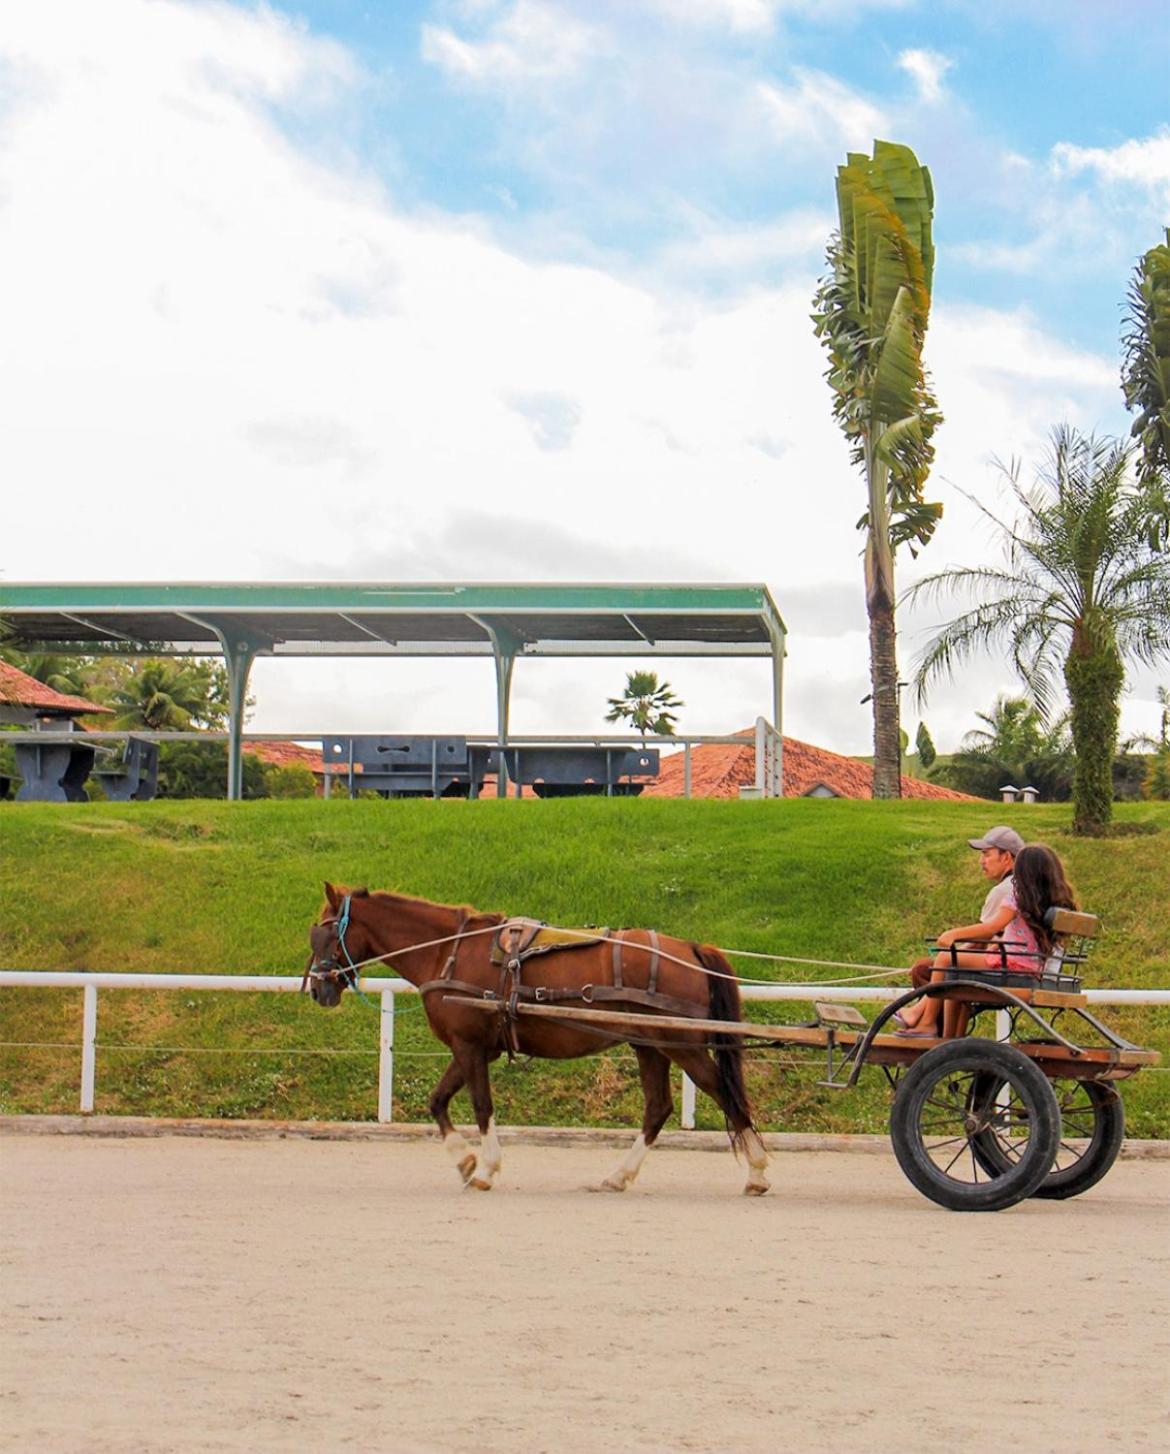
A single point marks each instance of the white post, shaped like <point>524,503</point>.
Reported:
<point>686,769</point>
<point>88,1045</point>
<point>688,1103</point>
<point>761,748</point>
<point>386,1059</point>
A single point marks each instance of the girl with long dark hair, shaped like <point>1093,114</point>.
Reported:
<point>1016,937</point>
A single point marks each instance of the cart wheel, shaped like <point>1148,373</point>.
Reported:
<point>1092,1128</point>
<point>949,1099</point>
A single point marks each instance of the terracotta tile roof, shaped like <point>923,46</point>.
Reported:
<point>18,689</point>
<point>285,754</point>
<point>719,770</point>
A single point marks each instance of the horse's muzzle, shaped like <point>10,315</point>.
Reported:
<point>325,992</point>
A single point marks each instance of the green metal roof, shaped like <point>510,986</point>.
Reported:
<point>380,619</point>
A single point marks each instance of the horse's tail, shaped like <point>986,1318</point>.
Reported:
<point>723,1003</point>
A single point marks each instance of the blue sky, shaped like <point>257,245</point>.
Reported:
<point>1018,85</point>
<point>519,289</point>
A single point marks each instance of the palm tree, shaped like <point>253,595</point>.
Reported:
<point>872,312</point>
<point>1082,591</point>
<point>647,704</point>
<point>1145,379</point>
<point>160,695</point>
<point>1014,745</point>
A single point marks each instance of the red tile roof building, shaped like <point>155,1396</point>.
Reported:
<point>18,689</point>
<point>719,770</point>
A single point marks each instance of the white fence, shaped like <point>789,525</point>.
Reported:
<point>387,989</point>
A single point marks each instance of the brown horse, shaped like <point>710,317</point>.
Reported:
<point>478,973</point>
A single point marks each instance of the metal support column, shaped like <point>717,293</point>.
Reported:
<point>238,656</point>
<point>505,647</point>
<point>779,651</point>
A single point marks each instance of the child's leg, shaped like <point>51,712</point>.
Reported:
<point>929,1018</point>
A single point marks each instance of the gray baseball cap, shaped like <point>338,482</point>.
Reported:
<point>1003,838</point>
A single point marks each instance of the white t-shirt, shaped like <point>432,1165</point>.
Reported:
<point>994,900</point>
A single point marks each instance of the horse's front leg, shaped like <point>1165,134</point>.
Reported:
<point>655,1071</point>
<point>474,1060</point>
<point>451,1082</point>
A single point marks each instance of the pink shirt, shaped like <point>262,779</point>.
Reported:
<point>1024,954</point>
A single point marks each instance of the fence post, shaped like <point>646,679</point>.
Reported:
<point>686,769</point>
<point>386,1059</point>
<point>88,1045</point>
<point>688,1103</point>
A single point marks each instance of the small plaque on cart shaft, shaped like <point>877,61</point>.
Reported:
<point>833,1014</point>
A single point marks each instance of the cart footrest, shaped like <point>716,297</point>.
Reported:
<point>830,1013</point>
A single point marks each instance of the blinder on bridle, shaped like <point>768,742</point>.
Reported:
<point>328,968</point>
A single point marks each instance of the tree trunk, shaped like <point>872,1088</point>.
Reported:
<point>883,654</point>
<point>1094,679</point>
<point>883,676</point>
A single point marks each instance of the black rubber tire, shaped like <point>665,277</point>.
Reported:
<point>942,1106</point>
<point>1091,1112</point>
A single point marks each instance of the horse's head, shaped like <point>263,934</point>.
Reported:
<point>339,944</point>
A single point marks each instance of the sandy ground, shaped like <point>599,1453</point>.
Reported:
<point>190,1295</point>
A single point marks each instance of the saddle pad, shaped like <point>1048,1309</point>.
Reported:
<point>522,938</point>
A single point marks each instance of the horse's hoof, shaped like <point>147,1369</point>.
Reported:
<point>466,1167</point>
<point>477,1183</point>
<point>610,1185</point>
<point>755,1189</point>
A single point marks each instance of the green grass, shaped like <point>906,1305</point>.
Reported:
<point>231,888</point>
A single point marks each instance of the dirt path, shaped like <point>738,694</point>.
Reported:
<point>199,1295</point>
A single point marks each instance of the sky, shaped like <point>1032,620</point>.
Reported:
<point>520,290</point>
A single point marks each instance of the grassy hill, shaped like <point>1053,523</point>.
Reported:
<point>231,888</point>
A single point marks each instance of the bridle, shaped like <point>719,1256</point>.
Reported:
<point>332,970</point>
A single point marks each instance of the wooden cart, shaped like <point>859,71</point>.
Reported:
<point>977,1123</point>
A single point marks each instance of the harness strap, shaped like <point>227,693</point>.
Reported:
<point>540,994</point>
<point>654,956</point>
<point>653,999</point>
<point>460,925</point>
<point>617,959</point>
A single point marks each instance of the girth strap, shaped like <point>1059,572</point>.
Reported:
<point>619,941</point>
<point>652,983</point>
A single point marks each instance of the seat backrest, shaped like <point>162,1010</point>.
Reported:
<point>1073,921</point>
<point>1073,934</point>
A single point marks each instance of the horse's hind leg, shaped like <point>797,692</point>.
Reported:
<point>699,1065</point>
<point>451,1082</point>
<point>655,1069</point>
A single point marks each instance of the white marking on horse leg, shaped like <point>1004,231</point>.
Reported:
<point>489,1160</point>
<point>630,1166</point>
<point>757,1183</point>
<point>460,1153</point>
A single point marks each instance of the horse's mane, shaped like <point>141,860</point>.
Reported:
<point>469,911</point>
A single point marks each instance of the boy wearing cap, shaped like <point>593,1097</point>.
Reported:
<point>997,856</point>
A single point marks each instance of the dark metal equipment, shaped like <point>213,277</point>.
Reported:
<point>437,767</point>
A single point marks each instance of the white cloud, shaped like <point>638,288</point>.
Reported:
<point>738,16</point>
<point>532,40</point>
<point>1144,162</point>
<point>927,69</point>
<point>820,109</point>
<point>718,248</point>
<point>760,16</point>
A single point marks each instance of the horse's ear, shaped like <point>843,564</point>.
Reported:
<point>333,896</point>
<point>362,893</point>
